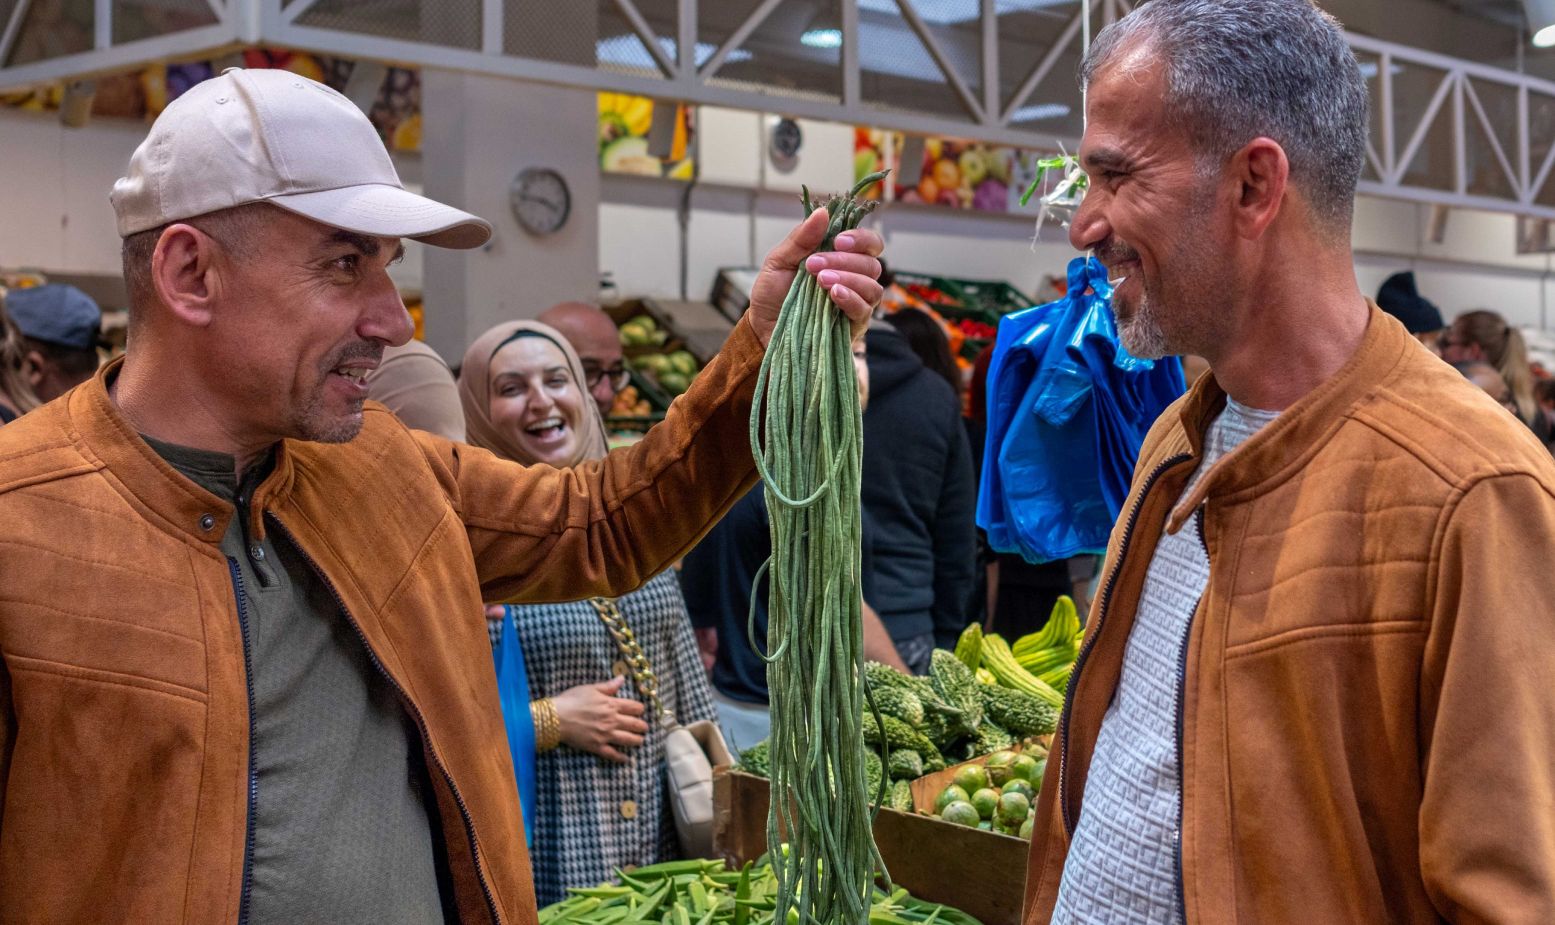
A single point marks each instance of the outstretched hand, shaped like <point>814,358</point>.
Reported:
<point>850,274</point>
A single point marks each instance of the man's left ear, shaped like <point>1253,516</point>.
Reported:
<point>1262,172</point>
<point>34,366</point>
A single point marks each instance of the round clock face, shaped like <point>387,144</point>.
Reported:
<point>540,200</point>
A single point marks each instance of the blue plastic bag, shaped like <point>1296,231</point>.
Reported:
<point>513,686</point>
<point>1068,408</point>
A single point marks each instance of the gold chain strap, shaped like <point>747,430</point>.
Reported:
<point>632,654</point>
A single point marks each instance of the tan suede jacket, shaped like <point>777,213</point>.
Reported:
<point>1367,707</point>
<point>124,703</point>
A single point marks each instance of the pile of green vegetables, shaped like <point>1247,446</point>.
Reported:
<point>706,893</point>
<point>806,435</point>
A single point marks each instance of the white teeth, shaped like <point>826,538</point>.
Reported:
<point>1116,282</point>
<point>546,424</point>
<point>356,374</point>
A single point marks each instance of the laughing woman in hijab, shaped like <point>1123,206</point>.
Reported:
<point>599,775</point>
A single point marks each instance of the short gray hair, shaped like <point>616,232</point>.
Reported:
<point>1239,70</point>
<point>236,228</point>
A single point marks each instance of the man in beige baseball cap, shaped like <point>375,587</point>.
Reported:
<point>250,679</point>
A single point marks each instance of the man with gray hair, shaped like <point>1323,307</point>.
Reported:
<point>1315,685</point>
<point>251,680</point>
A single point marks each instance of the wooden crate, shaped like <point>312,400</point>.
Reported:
<point>981,873</point>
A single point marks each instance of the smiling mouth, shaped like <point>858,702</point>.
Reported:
<point>548,429</point>
<point>356,375</point>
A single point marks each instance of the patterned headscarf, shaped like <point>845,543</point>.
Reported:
<point>475,394</point>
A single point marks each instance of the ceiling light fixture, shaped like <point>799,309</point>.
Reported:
<point>822,38</point>
<point>1541,21</point>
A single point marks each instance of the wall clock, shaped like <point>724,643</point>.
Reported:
<point>540,199</point>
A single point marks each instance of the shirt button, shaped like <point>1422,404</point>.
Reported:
<point>207,522</point>
<point>258,552</point>
<point>619,668</point>
<point>628,809</point>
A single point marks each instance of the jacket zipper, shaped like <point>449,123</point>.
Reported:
<point>1182,690</point>
<point>253,737</point>
<point>1091,632</point>
<point>415,712</point>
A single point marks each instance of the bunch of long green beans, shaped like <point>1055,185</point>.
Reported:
<point>807,437</point>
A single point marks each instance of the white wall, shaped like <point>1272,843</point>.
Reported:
<point>479,132</point>
<point>54,183</point>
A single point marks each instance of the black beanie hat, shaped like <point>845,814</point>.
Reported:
<point>1399,298</point>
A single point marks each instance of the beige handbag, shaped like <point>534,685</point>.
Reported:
<point>690,751</point>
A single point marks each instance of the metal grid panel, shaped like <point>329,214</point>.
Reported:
<point>53,29</point>
<point>451,23</point>
<point>794,50</point>
<point>1027,42</point>
<point>1415,89</point>
<point>1375,167</point>
<point>144,19</point>
<point>896,71</point>
<point>596,34</point>
<point>1492,156</point>
<point>1541,147</point>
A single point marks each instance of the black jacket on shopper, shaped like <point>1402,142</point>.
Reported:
<point>919,491</point>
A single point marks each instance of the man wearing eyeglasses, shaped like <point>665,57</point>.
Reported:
<point>594,336</point>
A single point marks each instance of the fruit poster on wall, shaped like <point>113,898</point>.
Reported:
<point>961,174</point>
<point>873,151</point>
<point>625,123</point>
<point>143,94</point>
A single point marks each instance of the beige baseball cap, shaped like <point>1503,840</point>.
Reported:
<point>274,136</point>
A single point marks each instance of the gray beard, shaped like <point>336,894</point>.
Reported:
<point>1141,334</point>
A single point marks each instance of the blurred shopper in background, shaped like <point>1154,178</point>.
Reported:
<point>63,329</point>
<point>16,394</point>
<point>1485,336</point>
<point>1400,298</point>
<point>919,490</point>
<point>598,343</point>
<point>929,342</point>
<point>413,382</point>
<point>1544,394</point>
<point>600,779</point>
<point>1488,378</point>
<point>718,579</point>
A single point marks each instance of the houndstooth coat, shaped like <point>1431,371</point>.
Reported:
<point>593,815</point>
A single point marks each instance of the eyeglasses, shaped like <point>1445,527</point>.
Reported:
<point>619,376</point>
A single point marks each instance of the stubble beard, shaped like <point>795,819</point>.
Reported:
<point>1141,333</point>
<point>1192,305</point>
<point>315,422</point>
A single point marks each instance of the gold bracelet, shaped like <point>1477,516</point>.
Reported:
<point>548,724</point>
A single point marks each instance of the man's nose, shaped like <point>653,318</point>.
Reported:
<point>1089,228</point>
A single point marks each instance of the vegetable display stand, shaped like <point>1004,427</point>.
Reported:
<point>981,873</point>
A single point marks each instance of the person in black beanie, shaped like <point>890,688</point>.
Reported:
<point>1400,298</point>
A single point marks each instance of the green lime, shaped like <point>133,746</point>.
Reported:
<point>948,796</point>
<point>1019,785</point>
<point>1025,827</point>
<point>999,767</point>
<point>1025,768</point>
<point>961,813</point>
<point>971,778</point>
<point>1013,808</point>
<point>986,802</point>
